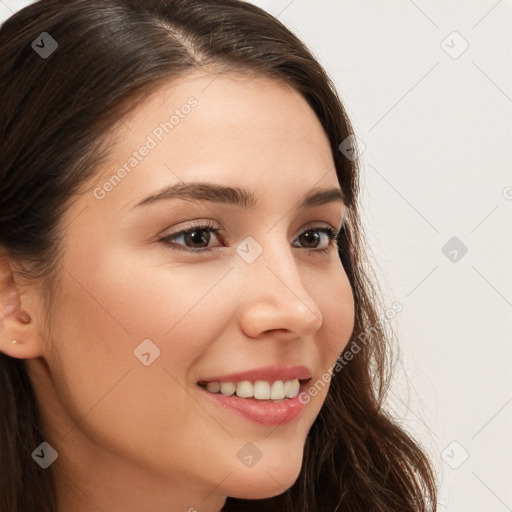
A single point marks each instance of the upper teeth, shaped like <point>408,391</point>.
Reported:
<point>261,389</point>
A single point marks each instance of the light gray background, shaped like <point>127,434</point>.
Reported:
<point>436,123</point>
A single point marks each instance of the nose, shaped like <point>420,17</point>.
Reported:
<point>276,299</point>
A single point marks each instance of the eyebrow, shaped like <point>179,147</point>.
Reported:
<point>235,196</point>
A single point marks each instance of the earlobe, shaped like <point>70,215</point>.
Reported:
<point>15,324</point>
<point>18,337</point>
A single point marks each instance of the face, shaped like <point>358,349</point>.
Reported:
<point>146,312</point>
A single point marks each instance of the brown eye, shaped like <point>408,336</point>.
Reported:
<point>197,236</point>
<point>311,239</point>
<point>193,239</point>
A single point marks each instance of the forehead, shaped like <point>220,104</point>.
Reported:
<point>256,133</point>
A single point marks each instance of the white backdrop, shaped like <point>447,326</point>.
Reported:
<point>428,87</point>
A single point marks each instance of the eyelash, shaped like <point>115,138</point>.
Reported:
<point>331,233</point>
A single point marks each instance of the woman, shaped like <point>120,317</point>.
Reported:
<point>183,280</point>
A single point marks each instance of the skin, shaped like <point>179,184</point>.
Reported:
<point>132,437</point>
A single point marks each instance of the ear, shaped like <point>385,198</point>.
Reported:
<point>17,315</point>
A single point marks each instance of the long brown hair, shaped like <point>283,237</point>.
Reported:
<point>55,112</point>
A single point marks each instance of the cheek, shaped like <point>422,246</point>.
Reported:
<point>142,296</point>
<point>105,314</point>
<point>337,306</point>
<point>336,302</point>
<point>114,312</point>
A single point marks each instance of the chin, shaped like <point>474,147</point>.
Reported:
<point>263,482</point>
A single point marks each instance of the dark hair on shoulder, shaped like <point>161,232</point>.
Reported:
<point>56,114</point>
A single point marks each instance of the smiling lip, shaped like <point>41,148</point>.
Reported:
<point>268,373</point>
<point>264,412</point>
